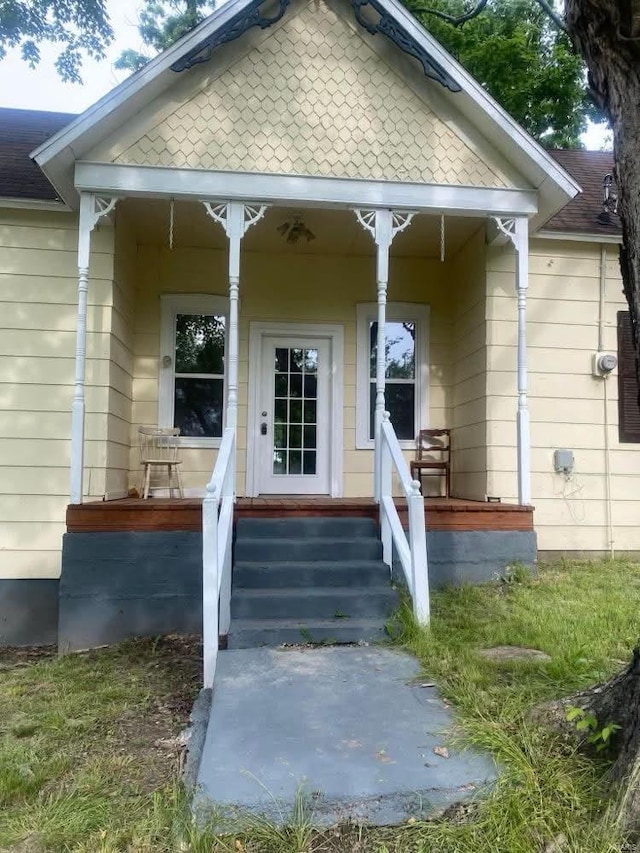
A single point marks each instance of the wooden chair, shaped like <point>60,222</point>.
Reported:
<point>159,448</point>
<point>433,456</point>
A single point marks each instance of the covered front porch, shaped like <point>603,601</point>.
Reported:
<point>206,327</point>
<point>299,372</point>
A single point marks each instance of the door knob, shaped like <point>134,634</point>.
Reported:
<point>263,428</point>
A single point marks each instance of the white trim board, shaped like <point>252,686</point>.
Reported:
<point>34,204</point>
<point>580,237</point>
<point>333,332</point>
<point>313,191</point>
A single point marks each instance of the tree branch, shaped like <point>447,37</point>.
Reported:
<point>550,11</point>
<point>454,20</point>
<point>459,20</point>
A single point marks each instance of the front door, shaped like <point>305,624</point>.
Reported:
<point>294,416</point>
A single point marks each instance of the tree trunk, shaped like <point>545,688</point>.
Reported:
<point>607,35</point>
<point>615,701</point>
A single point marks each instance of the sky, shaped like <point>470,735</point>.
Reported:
<point>42,89</point>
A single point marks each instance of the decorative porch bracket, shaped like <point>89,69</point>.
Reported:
<point>92,209</point>
<point>236,218</point>
<point>517,232</point>
<point>383,225</point>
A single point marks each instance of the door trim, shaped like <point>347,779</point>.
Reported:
<point>335,334</point>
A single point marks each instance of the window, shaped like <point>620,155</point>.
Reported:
<point>192,361</point>
<point>628,410</point>
<point>406,358</point>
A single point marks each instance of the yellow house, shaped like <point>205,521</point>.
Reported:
<point>302,215</point>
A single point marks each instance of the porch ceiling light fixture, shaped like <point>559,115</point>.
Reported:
<point>293,229</point>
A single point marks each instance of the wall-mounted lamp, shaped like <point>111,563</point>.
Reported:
<point>609,201</point>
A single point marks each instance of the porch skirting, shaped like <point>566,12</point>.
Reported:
<point>143,583</point>
<point>28,611</point>
<point>458,557</point>
<point>128,584</point>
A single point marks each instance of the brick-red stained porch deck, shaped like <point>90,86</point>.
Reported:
<point>186,513</point>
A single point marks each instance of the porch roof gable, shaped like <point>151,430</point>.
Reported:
<point>58,156</point>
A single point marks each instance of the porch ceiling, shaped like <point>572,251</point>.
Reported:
<point>337,232</point>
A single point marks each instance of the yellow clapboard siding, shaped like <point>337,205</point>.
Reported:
<point>34,481</point>
<point>33,508</point>
<point>30,536</point>
<point>29,564</point>
<point>58,318</point>
<point>53,239</point>
<point>22,342</point>
<point>65,264</point>
<point>41,289</point>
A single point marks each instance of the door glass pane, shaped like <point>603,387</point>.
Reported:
<point>281,384</point>
<point>296,360</point>
<point>400,347</point>
<point>294,399</point>
<point>310,437</point>
<point>295,462</point>
<point>199,344</point>
<point>399,400</point>
<point>198,406</point>
<point>282,359</point>
<point>309,463</point>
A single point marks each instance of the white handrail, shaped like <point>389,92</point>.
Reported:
<point>412,552</point>
<point>217,535</point>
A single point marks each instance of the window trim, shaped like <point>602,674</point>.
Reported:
<point>186,303</point>
<point>415,312</point>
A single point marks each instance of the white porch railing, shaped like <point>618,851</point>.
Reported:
<point>412,552</point>
<point>217,535</point>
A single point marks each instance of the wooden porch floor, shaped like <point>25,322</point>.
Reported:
<point>186,513</point>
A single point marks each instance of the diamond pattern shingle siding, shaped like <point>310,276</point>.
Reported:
<point>313,99</point>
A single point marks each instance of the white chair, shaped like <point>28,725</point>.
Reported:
<point>159,448</point>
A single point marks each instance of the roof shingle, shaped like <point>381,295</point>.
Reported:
<point>580,216</point>
<point>20,132</point>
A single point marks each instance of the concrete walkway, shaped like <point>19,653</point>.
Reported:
<point>351,727</point>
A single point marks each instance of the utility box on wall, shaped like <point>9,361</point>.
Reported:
<point>563,461</point>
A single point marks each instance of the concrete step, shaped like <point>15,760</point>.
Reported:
<point>250,633</point>
<point>311,603</point>
<point>319,573</point>
<point>249,549</point>
<point>301,527</point>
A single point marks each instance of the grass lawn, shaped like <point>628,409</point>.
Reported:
<point>89,757</point>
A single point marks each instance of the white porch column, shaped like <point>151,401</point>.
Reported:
<point>383,225</point>
<point>236,218</point>
<point>517,230</point>
<point>92,208</point>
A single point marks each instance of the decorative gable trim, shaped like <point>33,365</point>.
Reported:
<point>250,16</point>
<point>57,156</point>
<point>389,26</point>
<point>243,20</point>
